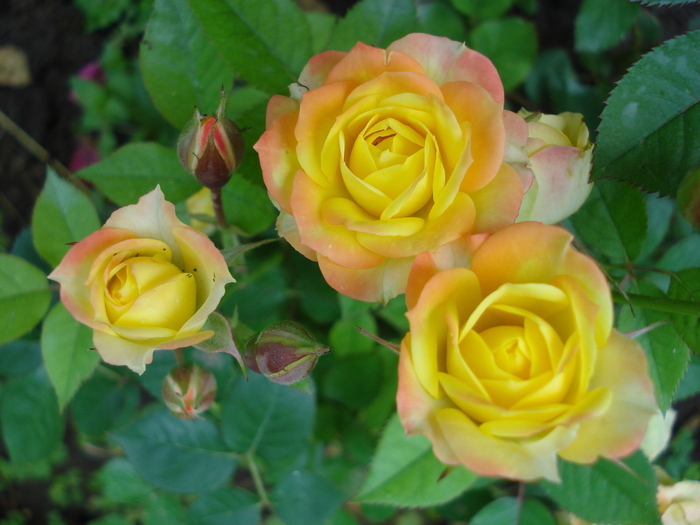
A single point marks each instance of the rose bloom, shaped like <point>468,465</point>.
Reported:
<point>514,361</point>
<point>145,281</point>
<point>380,155</point>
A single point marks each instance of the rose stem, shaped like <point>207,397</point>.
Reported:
<point>257,479</point>
<point>219,208</point>
<point>391,346</point>
<point>179,357</point>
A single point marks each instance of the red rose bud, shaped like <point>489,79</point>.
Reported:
<point>188,390</point>
<point>211,148</point>
<point>689,197</point>
<point>284,352</point>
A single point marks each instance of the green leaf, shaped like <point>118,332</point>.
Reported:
<point>305,498</point>
<point>663,2</point>
<point>247,205</point>
<point>346,340</point>
<point>65,345</point>
<point>405,473</point>
<point>62,214</point>
<point>322,25</point>
<point>483,8</point>
<point>264,418</point>
<point>104,403</point>
<point>650,130</point>
<point>163,508</point>
<point>688,289</point>
<point>19,357</point>
<point>439,18</point>
<point>248,34</point>
<point>342,381</point>
<point>600,24</point>
<point>24,297</point>
<point>222,340</point>
<point>659,213</point>
<point>136,169</point>
<point>607,492</point>
<point>101,13</point>
<point>224,506</point>
<point>613,221</point>
<point>175,454</point>
<point>511,44</point>
<point>504,511</point>
<point>180,67</point>
<point>376,23</point>
<point>31,425</point>
<point>667,354</point>
<point>121,483</point>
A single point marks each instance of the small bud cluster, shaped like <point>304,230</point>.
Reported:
<point>188,390</point>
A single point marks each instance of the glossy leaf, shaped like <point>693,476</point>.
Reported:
<point>376,23</point>
<point>24,297</point>
<point>248,35</point>
<point>600,24</point>
<point>176,454</point>
<point>180,67</point>
<point>505,511</point>
<point>650,130</point>
<point>136,169</point>
<point>247,205</point>
<point>62,214</point>
<point>32,426</point>
<point>687,288</point>
<point>667,354</point>
<point>613,220</point>
<point>66,346</point>
<point>103,403</point>
<point>224,506</point>
<point>305,498</point>
<point>404,472</point>
<point>607,492</point>
<point>267,419</point>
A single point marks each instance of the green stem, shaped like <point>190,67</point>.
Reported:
<point>257,480</point>
<point>219,208</point>
<point>662,304</point>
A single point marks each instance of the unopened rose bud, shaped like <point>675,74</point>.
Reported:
<point>284,352</point>
<point>560,159</point>
<point>689,197</point>
<point>211,148</point>
<point>189,390</point>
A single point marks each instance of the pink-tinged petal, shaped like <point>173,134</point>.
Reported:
<point>497,204</point>
<point>492,456</point>
<point>317,68</point>
<point>470,103</point>
<point>287,228</point>
<point>417,409</point>
<point>151,218</point>
<point>365,62</point>
<point>278,159</point>
<point>74,269</point>
<point>209,269</point>
<point>454,223</point>
<point>527,252</point>
<point>380,283</point>
<point>621,368</point>
<point>516,139</point>
<point>561,184</point>
<point>317,115</point>
<point>445,60</point>
<point>335,242</point>
<point>278,106</point>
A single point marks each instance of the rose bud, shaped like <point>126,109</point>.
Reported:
<point>284,352</point>
<point>188,390</point>
<point>211,148</point>
<point>560,159</point>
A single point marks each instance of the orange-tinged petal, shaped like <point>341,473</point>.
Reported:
<point>363,63</point>
<point>287,227</point>
<point>277,152</point>
<point>622,369</point>
<point>278,106</point>
<point>379,283</point>
<point>445,60</point>
<point>498,203</point>
<point>317,68</point>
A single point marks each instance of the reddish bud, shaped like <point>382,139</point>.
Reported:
<point>188,390</point>
<point>211,148</point>
<point>284,352</point>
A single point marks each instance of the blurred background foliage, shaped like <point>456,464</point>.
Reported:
<point>67,465</point>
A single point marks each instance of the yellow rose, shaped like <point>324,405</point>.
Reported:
<point>380,155</point>
<point>144,281</point>
<point>514,361</point>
